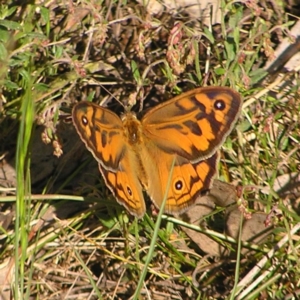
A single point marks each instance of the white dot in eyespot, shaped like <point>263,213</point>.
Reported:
<point>84,121</point>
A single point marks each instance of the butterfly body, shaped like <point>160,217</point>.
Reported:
<point>136,155</point>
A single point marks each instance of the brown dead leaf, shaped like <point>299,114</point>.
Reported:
<point>223,194</point>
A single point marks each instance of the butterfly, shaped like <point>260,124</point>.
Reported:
<point>137,155</point>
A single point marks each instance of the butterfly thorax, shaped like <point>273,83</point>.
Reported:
<point>132,128</point>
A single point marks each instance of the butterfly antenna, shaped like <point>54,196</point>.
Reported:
<point>107,99</point>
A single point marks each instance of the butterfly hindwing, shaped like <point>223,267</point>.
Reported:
<point>188,181</point>
<point>125,185</point>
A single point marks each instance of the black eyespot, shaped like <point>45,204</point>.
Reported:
<point>178,185</point>
<point>129,191</point>
<point>84,121</point>
<point>219,105</point>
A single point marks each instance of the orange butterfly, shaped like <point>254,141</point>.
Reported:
<point>136,155</point>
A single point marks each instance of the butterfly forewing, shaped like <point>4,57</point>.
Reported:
<point>102,132</point>
<point>195,123</point>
